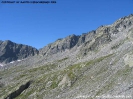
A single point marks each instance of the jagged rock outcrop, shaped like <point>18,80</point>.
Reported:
<point>10,51</point>
<point>60,45</point>
<point>90,41</point>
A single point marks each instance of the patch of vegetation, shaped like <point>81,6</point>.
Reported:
<point>20,76</point>
<point>44,68</point>
<point>55,81</point>
<point>42,75</point>
<point>98,59</point>
<point>54,84</point>
<point>75,71</point>
<point>71,75</point>
<point>44,80</point>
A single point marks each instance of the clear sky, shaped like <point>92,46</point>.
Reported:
<point>40,24</point>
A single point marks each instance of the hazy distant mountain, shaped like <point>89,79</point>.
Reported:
<point>94,65</point>
<point>10,51</point>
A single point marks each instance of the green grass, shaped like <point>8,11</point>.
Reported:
<point>54,85</point>
<point>43,68</point>
<point>41,76</point>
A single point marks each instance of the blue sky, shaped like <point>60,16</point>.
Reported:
<point>40,24</point>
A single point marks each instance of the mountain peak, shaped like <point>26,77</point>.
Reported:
<point>10,51</point>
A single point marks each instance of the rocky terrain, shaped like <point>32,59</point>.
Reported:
<point>94,65</point>
<point>10,51</point>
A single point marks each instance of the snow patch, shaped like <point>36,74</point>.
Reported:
<point>12,62</point>
<point>1,65</point>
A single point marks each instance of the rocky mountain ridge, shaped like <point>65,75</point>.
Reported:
<point>10,51</point>
<point>95,65</point>
<point>107,34</point>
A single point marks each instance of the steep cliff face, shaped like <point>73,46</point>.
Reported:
<point>10,51</point>
<point>60,45</point>
<point>89,41</point>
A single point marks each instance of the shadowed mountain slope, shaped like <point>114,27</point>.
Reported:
<point>10,51</point>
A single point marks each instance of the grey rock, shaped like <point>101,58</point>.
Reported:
<point>60,45</point>
<point>93,65</point>
<point>86,38</point>
<point>10,51</point>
